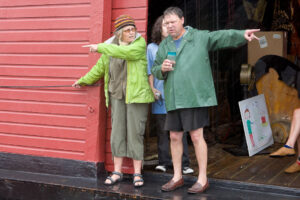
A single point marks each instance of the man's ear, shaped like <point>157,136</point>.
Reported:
<point>182,20</point>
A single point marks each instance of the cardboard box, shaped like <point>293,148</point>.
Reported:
<point>270,43</point>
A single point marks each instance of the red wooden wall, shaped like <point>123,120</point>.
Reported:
<point>138,9</point>
<point>40,44</point>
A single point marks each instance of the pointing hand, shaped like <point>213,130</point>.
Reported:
<point>93,47</point>
<point>249,34</point>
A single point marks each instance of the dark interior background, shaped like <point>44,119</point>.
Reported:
<point>226,14</point>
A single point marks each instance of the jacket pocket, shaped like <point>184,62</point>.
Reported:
<point>112,86</point>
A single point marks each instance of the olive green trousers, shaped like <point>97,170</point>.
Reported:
<point>128,128</point>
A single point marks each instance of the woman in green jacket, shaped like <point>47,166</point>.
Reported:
<point>123,65</point>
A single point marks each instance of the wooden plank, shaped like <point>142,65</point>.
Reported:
<point>107,147</point>
<point>108,158</point>
<point>220,164</point>
<point>127,166</point>
<point>43,39</point>
<point>42,142</point>
<point>126,161</point>
<point>44,36</point>
<point>109,167</point>
<point>33,59</point>
<point>42,152</point>
<point>215,154</point>
<point>78,96</point>
<point>43,48</point>
<point>136,13</point>
<point>45,11</point>
<point>296,182</point>
<point>43,107</point>
<point>99,23</point>
<point>17,81</point>
<point>253,168</point>
<point>45,24</point>
<point>109,124</point>
<point>42,130</point>
<point>274,167</point>
<point>14,3</point>
<point>43,119</point>
<point>228,171</point>
<point>43,71</point>
<point>41,84</point>
<point>283,179</point>
<point>144,35</point>
<point>129,4</point>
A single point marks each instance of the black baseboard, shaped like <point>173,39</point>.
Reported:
<point>47,165</point>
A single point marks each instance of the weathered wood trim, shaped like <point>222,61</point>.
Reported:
<point>52,166</point>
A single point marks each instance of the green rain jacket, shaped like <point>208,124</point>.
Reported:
<point>191,83</point>
<point>137,89</point>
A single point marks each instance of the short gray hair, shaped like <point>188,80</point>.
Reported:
<point>174,10</point>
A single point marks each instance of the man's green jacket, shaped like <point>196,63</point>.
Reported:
<point>137,88</point>
<point>191,83</point>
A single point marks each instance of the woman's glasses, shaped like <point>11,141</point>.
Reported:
<point>133,29</point>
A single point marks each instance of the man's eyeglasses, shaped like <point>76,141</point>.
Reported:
<point>133,29</point>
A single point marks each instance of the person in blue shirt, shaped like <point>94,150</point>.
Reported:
<point>159,32</point>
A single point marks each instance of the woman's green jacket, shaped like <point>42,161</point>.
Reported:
<point>137,89</point>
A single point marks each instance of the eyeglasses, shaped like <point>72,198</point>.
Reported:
<point>133,29</point>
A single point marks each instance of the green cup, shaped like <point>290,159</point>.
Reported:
<point>172,56</point>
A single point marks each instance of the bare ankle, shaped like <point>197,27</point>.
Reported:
<point>176,178</point>
<point>202,180</point>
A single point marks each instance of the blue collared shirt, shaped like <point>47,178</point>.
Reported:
<point>158,107</point>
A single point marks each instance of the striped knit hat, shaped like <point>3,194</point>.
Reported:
<point>122,21</point>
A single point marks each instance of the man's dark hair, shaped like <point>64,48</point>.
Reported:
<point>156,36</point>
<point>174,10</point>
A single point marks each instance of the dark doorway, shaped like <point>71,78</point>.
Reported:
<point>226,123</point>
<point>214,15</point>
<point>208,15</point>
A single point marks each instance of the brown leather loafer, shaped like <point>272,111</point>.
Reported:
<point>198,188</point>
<point>283,151</point>
<point>172,185</point>
<point>295,167</point>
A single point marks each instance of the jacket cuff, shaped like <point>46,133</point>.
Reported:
<point>164,75</point>
<point>161,75</point>
<point>98,48</point>
<point>81,81</point>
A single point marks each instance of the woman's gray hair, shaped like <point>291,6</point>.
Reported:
<point>119,33</point>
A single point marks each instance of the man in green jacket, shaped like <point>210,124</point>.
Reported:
<point>189,87</point>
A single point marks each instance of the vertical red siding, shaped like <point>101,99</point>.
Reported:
<point>138,9</point>
<point>40,44</point>
<point>96,129</point>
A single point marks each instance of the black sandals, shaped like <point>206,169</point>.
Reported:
<point>139,180</point>
<point>112,181</point>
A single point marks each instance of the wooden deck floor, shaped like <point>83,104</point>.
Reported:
<point>260,169</point>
